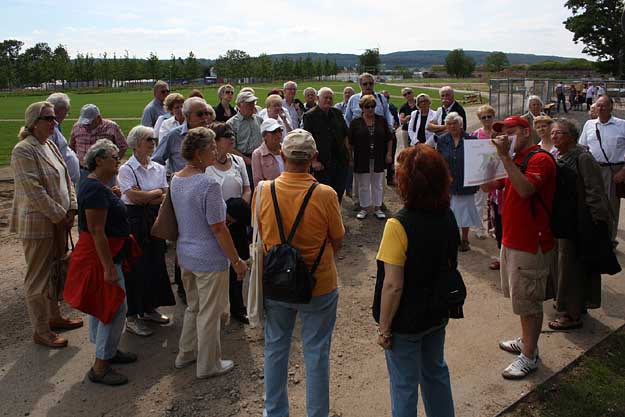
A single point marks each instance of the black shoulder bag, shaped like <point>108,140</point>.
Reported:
<point>286,276</point>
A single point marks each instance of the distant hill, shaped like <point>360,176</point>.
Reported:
<point>416,59</point>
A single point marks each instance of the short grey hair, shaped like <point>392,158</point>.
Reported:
<point>423,96</point>
<point>308,90</point>
<point>365,75</point>
<point>532,98</point>
<point>190,102</point>
<point>569,125</point>
<point>323,90</point>
<point>348,88</point>
<point>137,133</point>
<point>158,84</point>
<point>454,117</point>
<point>59,100</point>
<point>446,89</point>
<point>288,83</point>
<point>196,139</point>
<point>99,150</point>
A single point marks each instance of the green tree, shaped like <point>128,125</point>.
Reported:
<point>61,64</point>
<point>496,61</point>
<point>369,61</point>
<point>458,64</point>
<point>233,65</point>
<point>263,67</point>
<point>9,54</point>
<point>153,66</point>
<point>597,24</point>
<point>192,68</point>
<point>37,61</point>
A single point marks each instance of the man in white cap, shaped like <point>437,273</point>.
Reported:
<point>155,108</point>
<point>88,129</point>
<point>267,162</point>
<point>246,127</point>
<point>318,236</point>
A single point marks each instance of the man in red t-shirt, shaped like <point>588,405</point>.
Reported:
<point>527,244</point>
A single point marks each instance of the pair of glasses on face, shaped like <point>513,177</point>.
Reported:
<point>47,118</point>
<point>115,157</point>
<point>164,91</point>
<point>202,113</point>
<point>487,117</point>
<point>150,139</point>
<point>228,135</point>
<point>407,94</point>
<point>370,106</point>
<point>228,92</point>
<point>367,83</point>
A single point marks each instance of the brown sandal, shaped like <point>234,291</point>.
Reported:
<point>565,323</point>
<point>66,324</point>
<point>54,341</point>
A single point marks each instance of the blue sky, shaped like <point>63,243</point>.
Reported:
<point>275,26</point>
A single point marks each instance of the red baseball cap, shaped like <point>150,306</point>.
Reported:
<point>511,121</point>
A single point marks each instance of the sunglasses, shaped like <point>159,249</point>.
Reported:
<point>150,139</point>
<point>228,135</point>
<point>164,91</point>
<point>115,157</point>
<point>369,107</point>
<point>367,83</point>
<point>47,118</point>
<point>202,113</point>
<point>407,94</point>
<point>228,92</point>
<point>487,117</point>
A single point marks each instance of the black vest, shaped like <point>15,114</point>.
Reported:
<point>432,253</point>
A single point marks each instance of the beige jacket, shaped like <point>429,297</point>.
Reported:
<point>37,199</point>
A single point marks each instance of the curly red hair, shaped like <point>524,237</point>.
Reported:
<point>423,178</point>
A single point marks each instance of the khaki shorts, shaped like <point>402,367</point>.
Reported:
<point>524,278</point>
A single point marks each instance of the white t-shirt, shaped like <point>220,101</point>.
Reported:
<point>61,169</point>
<point>132,173</point>
<point>233,180</point>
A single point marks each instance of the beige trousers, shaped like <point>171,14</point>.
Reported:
<point>207,300</point>
<point>39,254</point>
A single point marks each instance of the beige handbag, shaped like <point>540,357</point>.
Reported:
<point>255,290</point>
<point>166,226</point>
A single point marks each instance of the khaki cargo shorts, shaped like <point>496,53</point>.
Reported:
<point>524,278</point>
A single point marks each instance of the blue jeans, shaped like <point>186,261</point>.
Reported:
<point>106,336</point>
<point>418,360</point>
<point>318,318</point>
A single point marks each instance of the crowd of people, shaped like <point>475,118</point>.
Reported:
<point>286,168</point>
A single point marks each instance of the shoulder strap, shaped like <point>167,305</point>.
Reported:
<point>536,195</point>
<point>135,174</point>
<point>300,214</point>
<point>607,160</point>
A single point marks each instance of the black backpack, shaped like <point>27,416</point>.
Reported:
<point>286,276</point>
<point>563,215</point>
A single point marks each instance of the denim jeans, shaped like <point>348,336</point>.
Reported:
<point>106,336</point>
<point>418,360</point>
<point>318,318</point>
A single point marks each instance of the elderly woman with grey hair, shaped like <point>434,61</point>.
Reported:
<point>419,119</point>
<point>44,206</point>
<point>143,185</point>
<point>274,110</point>
<point>534,109</point>
<point>223,110</point>
<point>451,147</point>
<point>173,118</point>
<point>103,245</point>
<point>310,98</point>
<point>578,282</point>
<point>205,252</point>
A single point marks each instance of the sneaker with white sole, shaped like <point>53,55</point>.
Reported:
<point>362,214</point>
<point>521,367</point>
<point>379,214</point>
<point>226,366</point>
<point>155,316</point>
<point>512,346</point>
<point>183,360</point>
<point>137,327</point>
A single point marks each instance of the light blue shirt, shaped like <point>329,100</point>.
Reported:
<point>354,111</point>
<point>198,204</point>
<point>151,112</point>
<point>168,149</point>
<point>69,156</point>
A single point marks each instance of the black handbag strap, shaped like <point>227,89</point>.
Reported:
<point>300,214</point>
<point>607,160</point>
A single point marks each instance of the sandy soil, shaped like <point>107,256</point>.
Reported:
<point>39,382</point>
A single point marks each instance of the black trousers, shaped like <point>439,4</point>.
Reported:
<point>240,211</point>
<point>335,176</point>
<point>390,168</point>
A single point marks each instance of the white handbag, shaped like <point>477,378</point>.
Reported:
<point>255,311</point>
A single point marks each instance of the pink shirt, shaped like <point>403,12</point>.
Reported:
<point>264,164</point>
<point>480,134</point>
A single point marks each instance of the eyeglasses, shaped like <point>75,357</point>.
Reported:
<point>228,135</point>
<point>559,132</point>
<point>423,101</point>
<point>47,118</point>
<point>115,157</point>
<point>486,117</point>
<point>369,107</point>
<point>202,113</point>
<point>228,92</point>
<point>368,83</point>
<point>164,91</point>
<point>407,94</point>
<point>150,139</point>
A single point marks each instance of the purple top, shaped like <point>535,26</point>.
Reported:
<point>198,204</point>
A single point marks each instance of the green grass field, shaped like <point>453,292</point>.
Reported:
<point>130,104</point>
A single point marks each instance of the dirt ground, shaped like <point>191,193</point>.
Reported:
<point>37,381</point>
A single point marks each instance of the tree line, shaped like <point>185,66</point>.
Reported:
<point>41,64</point>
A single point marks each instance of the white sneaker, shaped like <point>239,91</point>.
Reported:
<point>155,316</point>
<point>137,327</point>
<point>362,214</point>
<point>481,234</point>
<point>226,366</point>
<point>379,214</point>
<point>520,367</point>
<point>512,346</point>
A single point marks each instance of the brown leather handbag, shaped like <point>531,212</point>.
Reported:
<point>166,226</point>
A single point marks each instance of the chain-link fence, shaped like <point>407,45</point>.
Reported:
<point>509,96</point>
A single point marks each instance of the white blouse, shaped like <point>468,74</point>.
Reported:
<point>233,180</point>
<point>132,173</point>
